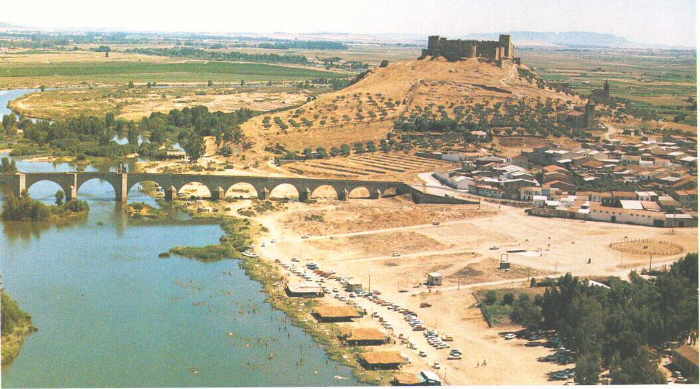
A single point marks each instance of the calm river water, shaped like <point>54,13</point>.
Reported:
<point>111,313</point>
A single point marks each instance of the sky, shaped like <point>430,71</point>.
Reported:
<point>670,22</point>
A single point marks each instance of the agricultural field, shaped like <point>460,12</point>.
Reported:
<point>660,81</point>
<point>376,165</point>
<point>89,69</point>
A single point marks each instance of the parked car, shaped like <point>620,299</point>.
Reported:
<point>509,336</point>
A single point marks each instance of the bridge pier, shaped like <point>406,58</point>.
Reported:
<point>218,194</point>
<point>170,194</point>
<point>305,194</point>
<point>71,193</point>
<point>343,194</point>
<point>375,194</point>
<point>20,184</point>
<point>121,188</point>
<point>263,194</point>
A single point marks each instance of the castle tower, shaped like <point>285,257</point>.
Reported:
<point>504,41</point>
<point>606,88</point>
<point>471,49</point>
<point>433,43</point>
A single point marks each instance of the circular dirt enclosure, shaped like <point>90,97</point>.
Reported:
<point>647,247</point>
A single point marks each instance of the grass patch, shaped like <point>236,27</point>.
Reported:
<point>112,72</point>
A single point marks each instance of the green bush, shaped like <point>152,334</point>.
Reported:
<point>490,297</point>
<point>12,315</point>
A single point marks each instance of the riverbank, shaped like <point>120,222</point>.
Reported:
<point>17,326</point>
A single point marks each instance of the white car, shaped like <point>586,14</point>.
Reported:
<point>509,336</point>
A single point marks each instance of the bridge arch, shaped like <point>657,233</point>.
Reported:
<point>325,191</point>
<point>359,192</point>
<point>390,191</point>
<point>138,191</point>
<point>285,190</point>
<point>47,189</point>
<point>241,189</point>
<point>98,186</point>
<point>195,188</point>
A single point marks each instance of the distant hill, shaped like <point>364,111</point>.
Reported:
<point>572,38</point>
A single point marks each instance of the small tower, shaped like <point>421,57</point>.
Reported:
<point>606,88</point>
<point>505,42</point>
<point>589,115</point>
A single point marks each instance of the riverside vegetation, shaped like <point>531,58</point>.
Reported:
<point>16,326</point>
<point>24,208</point>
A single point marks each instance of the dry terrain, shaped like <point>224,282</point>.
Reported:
<point>378,165</point>
<point>366,110</point>
<point>139,102</point>
<point>359,239</point>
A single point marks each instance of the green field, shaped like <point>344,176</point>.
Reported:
<point>91,69</point>
<point>655,80</point>
<point>56,74</point>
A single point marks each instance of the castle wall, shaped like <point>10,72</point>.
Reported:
<point>455,49</point>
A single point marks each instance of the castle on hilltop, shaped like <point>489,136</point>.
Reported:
<point>456,49</point>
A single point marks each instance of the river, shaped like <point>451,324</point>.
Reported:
<point>111,313</point>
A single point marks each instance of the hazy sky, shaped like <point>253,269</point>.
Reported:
<point>659,21</point>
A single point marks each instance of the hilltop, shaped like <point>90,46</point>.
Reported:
<point>366,110</point>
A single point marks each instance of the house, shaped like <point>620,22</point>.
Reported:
<point>382,360</point>
<point>631,204</point>
<point>554,168</point>
<point>527,193</point>
<point>407,379</point>
<point>486,190</point>
<point>600,197</point>
<point>363,337</point>
<point>680,220</point>
<point>628,216</point>
<point>434,278</point>
<point>554,176</point>
<point>647,196</point>
<point>651,206</point>
<point>621,195</point>
<point>687,197</point>
<point>303,289</point>
<point>565,186</point>
<point>593,165</point>
<point>667,203</point>
<point>328,313</point>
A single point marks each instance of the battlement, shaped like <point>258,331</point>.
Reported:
<point>456,49</point>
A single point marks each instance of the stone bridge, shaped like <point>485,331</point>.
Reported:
<point>217,184</point>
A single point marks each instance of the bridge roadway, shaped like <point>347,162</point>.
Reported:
<point>71,182</point>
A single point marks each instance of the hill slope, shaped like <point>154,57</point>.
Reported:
<point>366,110</point>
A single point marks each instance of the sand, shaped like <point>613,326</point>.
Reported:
<point>466,250</point>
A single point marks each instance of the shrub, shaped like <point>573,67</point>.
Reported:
<point>490,297</point>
